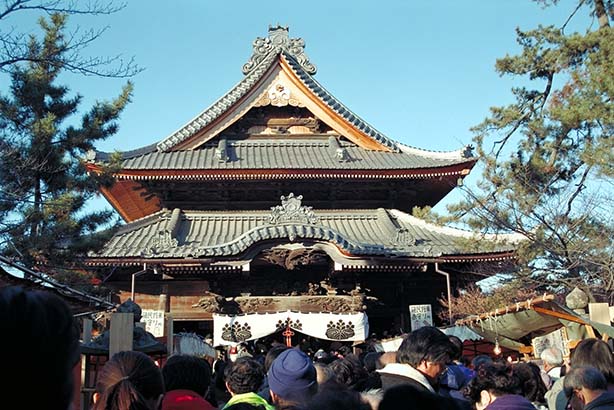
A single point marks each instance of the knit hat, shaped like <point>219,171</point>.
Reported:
<point>291,374</point>
<point>184,400</point>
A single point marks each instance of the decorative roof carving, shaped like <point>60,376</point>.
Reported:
<point>291,210</point>
<point>221,152</point>
<point>164,242</point>
<point>278,41</point>
<point>340,153</point>
<point>253,305</point>
<point>210,304</point>
<point>404,237</point>
<point>293,258</point>
<point>279,95</point>
<point>468,151</point>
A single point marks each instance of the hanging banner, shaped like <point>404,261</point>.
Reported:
<point>231,330</point>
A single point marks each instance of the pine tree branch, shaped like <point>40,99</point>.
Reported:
<point>573,13</point>
<point>61,6</point>
<point>579,188</point>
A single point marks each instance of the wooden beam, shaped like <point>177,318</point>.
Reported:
<point>559,315</point>
<point>517,307</point>
<point>526,349</point>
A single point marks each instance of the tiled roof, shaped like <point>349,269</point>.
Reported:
<point>288,154</point>
<point>376,232</point>
<point>337,106</point>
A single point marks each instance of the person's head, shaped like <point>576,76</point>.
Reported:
<point>371,361</point>
<point>39,337</point>
<point>323,373</point>
<point>186,372</point>
<point>583,384</point>
<point>184,400</point>
<point>594,353</point>
<point>244,375</point>
<point>349,372</point>
<point>272,354</point>
<point>458,344</point>
<point>480,360</point>
<point>292,377</point>
<point>129,380</point>
<point>531,383</point>
<point>551,357</point>
<point>428,350</point>
<point>373,397</point>
<point>387,358</point>
<point>321,357</point>
<point>338,399</point>
<point>490,382</point>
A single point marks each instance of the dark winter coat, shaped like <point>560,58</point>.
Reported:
<point>510,402</point>
<point>603,402</point>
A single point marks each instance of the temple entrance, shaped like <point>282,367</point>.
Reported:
<point>202,328</point>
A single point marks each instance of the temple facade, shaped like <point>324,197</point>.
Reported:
<point>278,207</point>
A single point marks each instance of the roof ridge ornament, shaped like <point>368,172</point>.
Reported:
<point>278,41</point>
<point>404,237</point>
<point>292,211</point>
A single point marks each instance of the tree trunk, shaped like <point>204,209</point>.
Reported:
<point>38,201</point>
<point>601,13</point>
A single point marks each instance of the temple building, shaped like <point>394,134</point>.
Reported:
<point>278,207</point>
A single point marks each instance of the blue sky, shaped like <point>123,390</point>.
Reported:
<point>422,72</point>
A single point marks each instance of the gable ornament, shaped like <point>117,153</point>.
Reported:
<point>277,41</point>
<point>403,237</point>
<point>291,211</point>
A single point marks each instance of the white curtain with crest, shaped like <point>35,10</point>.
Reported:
<point>234,329</point>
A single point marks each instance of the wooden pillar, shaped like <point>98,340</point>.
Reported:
<point>170,341</point>
<point>82,401</point>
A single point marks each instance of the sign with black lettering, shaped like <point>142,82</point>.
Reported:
<point>154,320</point>
<point>420,316</point>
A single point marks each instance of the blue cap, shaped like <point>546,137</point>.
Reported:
<point>292,374</point>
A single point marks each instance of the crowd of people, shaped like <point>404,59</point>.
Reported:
<point>427,372</point>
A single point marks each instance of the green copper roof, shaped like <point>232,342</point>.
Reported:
<point>288,154</point>
<point>375,232</point>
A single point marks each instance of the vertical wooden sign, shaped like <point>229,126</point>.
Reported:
<point>122,329</point>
